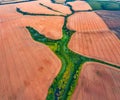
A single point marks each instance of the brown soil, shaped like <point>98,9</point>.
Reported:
<point>27,68</point>
<point>35,7</point>
<point>51,27</point>
<point>86,22</point>
<point>64,9</point>
<point>93,38</point>
<point>98,82</point>
<point>80,5</point>
<point>60,1</point>
<point>11,1</point>
<point>111,18</point>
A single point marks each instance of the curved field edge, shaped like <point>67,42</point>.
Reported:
<point>90,84</point>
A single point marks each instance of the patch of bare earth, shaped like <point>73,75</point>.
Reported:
<point>59,7</point>
<point>11,1</point>
<point>93,38</point>
<point>111,18</point>
<point>98,82</point>
<point>60,1</point>
<point>36,8</point>
<point>80,5</point>
<point>27,68</point>
<point>86,22</point>
<point>50,26</point>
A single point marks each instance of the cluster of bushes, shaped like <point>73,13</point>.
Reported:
<point>104,5</point>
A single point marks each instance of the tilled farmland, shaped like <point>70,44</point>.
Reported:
<point>93,39</point>
<point>51,50</point>
<point>111,18</point>
<point>80,5</point>
<point>86,22</point>
<point>27,67</point>
<point>97,82</point>
<point>59,7</point>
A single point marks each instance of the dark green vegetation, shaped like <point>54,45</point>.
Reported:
<point>53,1</point>
<point>69,1</point>
<point>104,5</point>
<point>65,82</point>
<point>34,14</point>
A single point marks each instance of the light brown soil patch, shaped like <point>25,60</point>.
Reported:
<point>35,7</point>
<point>98,82</point>
<point>11,1</point>
<point>64,9</point>
<point>101,45</point>
<point>27,68</point>
<point>60,1</point>
<point>50,26</point>
<point>86,22</point>
<point>93,38</point>
<point>80,5</point>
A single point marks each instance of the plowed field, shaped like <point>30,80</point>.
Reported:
<point>27,68</point>
<point>111,18</point>
<point>93,38</point>
<point>80,5</point>
<point>98,82</point>
<point>86,22</point>
<point>59,7</point>
<point>35,7</point>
